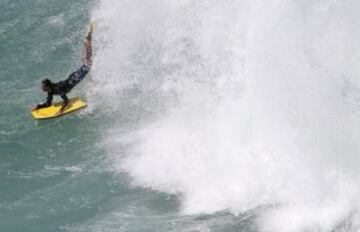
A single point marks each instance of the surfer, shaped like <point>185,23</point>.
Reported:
<point>63,87</point>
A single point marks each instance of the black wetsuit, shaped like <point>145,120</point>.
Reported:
<point>63,87</point>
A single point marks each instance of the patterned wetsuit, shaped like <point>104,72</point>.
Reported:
<point>63,87</point>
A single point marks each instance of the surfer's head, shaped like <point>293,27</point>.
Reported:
<point>46,85</point>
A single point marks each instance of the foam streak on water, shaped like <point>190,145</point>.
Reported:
<point>247,104</point>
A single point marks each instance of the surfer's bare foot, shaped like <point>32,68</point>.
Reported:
<point>87,51</point>
<point>91,29</point>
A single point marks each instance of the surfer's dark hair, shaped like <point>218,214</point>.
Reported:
<point>46,82</point>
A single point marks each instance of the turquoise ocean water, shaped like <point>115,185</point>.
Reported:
<point>202,116</point>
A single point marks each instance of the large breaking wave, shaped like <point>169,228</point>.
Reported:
<point>237,105</point>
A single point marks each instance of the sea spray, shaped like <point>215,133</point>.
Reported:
<point>237,105</point>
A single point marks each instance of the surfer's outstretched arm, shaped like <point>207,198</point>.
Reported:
<point>46,104</point>
<point>87,51</point>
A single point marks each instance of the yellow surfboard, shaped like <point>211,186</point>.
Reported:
<point>54,110</point>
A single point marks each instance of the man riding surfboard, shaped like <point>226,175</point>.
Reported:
<point>63,87</point>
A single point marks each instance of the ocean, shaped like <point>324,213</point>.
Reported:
<point>206,115</point>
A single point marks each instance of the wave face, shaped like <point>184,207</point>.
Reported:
<point>237,105</point>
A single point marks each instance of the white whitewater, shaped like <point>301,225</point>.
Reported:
<point>239,105</point>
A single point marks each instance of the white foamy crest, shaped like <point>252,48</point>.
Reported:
<point>256,104</point>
